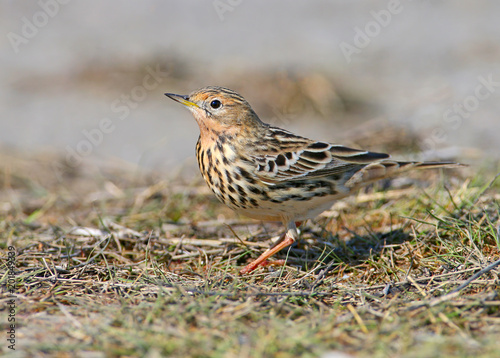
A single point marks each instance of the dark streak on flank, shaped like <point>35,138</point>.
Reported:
<point>233,201</point>
<point>228,177</point>
<point>247,176</point>
<point>243,200</point>
<point>255,190</point>
<point>241,191</point>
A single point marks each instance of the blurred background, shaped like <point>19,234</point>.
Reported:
<point>85,79</point>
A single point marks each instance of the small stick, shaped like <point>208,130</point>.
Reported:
<point>456,291</point>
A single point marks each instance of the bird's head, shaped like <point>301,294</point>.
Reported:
<point>219,110</point>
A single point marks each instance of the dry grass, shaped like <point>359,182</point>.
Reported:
<point>134,266</point>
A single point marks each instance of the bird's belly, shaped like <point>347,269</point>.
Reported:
<point>292,210</point>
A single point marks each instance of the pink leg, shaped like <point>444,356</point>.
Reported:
<point>284,241</point>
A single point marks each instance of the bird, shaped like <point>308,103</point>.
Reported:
<point>271,174</point>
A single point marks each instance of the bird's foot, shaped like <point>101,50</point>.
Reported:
<point>262,260</point>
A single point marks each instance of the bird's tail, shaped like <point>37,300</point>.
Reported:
<point>389,168</point>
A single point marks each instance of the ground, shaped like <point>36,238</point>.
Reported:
<point>120,263</point>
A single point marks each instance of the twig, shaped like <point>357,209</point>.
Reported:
<point>90,260</point>
<point>457,290</point>
<point>477,275</point>
<point>419,288</point>
<point>358,318</point>
<point>420,279</point>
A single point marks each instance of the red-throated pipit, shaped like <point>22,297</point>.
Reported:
<point>269,173</point>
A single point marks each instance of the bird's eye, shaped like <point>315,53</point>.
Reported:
<point>215,104</point>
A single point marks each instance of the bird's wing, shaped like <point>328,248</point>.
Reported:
<point>291,157</point>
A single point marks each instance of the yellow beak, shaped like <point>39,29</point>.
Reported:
<point>182,99</point>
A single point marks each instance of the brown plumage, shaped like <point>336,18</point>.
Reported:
<point>269,173</point>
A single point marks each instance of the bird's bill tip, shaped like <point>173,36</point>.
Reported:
<point>181,99</point>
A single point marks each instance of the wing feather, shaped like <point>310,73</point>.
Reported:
<point>300,158</point>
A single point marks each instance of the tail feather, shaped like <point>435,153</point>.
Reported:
<point>389,168</point>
